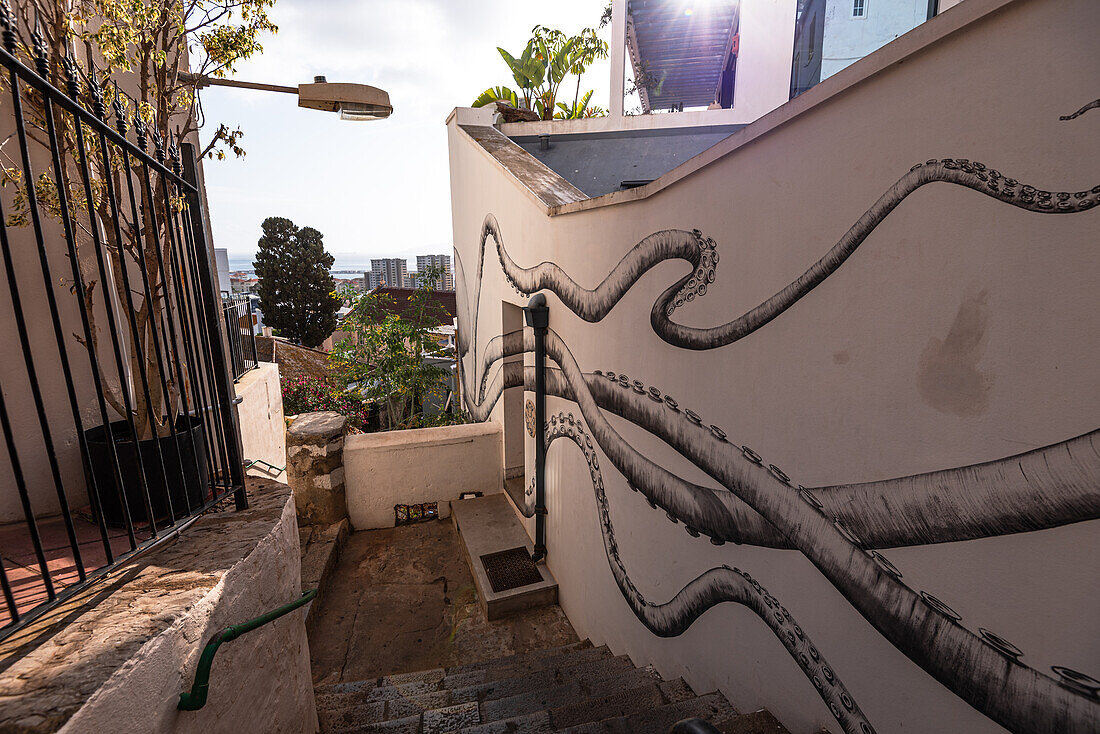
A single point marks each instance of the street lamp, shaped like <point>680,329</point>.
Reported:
<point>352,101</point>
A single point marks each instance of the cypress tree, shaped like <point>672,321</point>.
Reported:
<point>297,293</point>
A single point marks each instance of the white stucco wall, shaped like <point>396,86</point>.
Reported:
<point>421,465</point>
<point>263,427</point>
<point>831,391</point>
<point>764,61</point>
<point>221,259</point>
<point>846,40</point>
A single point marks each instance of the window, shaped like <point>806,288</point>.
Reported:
<point>813,37</point>
<point>858,8</point>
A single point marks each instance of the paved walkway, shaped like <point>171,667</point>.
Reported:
<point>402,600</point>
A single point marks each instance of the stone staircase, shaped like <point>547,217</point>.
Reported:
<point>577,688</point>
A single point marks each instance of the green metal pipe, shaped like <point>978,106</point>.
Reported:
<point>195,699</point>
<point>249,463</point>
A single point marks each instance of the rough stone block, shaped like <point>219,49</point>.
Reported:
<point>315,467</point>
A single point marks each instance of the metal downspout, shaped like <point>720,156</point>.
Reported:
<point>537,315</point>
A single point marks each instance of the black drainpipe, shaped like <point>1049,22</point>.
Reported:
<point>537,315</point>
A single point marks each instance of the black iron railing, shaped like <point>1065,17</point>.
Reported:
<point>240,328</point>
<point>116,404</point>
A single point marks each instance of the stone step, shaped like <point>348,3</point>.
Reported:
<point>711,707</point>
<point>524,657</point>
<point>587,672</point>
<point>548,698</point>
<point>490,674</point>
<point>758,722</point>
<point>408,725</point>
<point>500,699</point>
<point>621,702</point>
<point>518,671</point>
<point>536,723</point>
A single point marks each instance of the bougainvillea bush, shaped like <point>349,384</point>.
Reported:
<point>309,394</point>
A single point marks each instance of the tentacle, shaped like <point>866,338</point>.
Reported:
<point>1044,488</point>
<point>709,589</point>
<point>593,305</point>
<point>1012,694</point>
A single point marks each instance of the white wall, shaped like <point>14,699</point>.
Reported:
<point>835,390</point>
<point>263,426</point>
<point>764,62</point>
<point>221,258</point>
<point>846,40</point>
<point>420,465</point>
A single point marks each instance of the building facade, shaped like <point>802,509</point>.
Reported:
<point>443,262</point>
<point>391,271</point>
<point>831,35</point>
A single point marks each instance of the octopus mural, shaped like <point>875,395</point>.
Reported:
<point>841,529</point>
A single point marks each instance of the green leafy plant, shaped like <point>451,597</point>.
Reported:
<point>541,69</point>
<point>580,109</point>
<point>309,394</point>
<point>388,357</point>
<point>494,94</point>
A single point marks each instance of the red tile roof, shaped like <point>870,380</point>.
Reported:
<point>400,296</point>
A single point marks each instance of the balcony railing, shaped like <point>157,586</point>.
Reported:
<point>240,328</point>
<point>116,405</point>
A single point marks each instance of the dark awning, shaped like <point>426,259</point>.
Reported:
<point>683,45</point>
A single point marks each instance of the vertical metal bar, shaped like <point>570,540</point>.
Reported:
<point>105,156</point>
<point>9,597</point>
<point>206,278</point>
<point>151,306</point>
<point>24,498</point>
<point>537,315</point>
<point>165,285</point>
<point>89,340</point>
<point>99,247</point>
<point>252,333</point>
<point>36,221</point>
<point>191,343</point>
<point>202,317</point>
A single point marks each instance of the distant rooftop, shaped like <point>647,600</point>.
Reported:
<point>400,296</point>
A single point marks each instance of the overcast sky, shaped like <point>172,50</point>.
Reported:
<point>372,188</point>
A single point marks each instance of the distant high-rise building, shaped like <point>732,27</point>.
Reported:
<point>394,271</point>
<point>371,279</point>
<point>443,262</point>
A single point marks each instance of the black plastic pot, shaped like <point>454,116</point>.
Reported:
<point>165,483</point>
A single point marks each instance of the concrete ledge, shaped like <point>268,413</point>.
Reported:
<point>488,525</point>
<point>422,465</point>
<point>117,656</point>
<point>320,551</point>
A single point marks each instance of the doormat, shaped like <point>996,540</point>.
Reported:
<point>510,569</point>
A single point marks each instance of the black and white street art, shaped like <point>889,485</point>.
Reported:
<point>840,529</point>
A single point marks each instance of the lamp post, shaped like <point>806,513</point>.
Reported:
<point>351,101</point>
